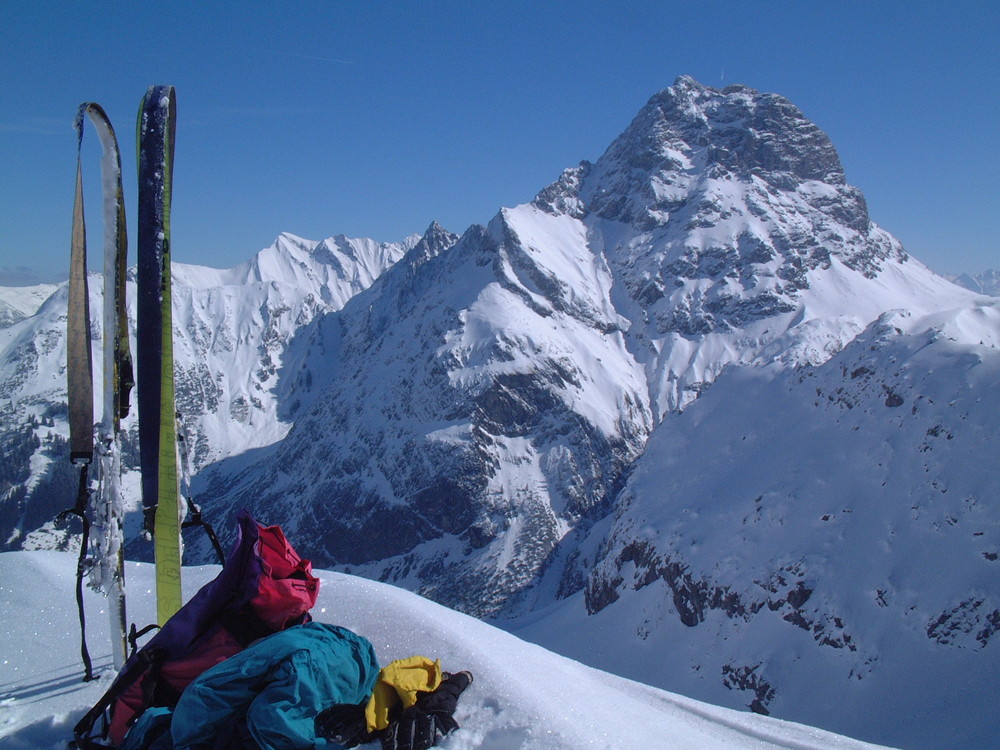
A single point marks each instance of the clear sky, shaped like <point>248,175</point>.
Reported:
<point>372,118</point>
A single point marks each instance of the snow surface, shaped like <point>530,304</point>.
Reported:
<point>27,299</point>
<point>838,529</point>
<point>20,302</point>
<point>523,696</point>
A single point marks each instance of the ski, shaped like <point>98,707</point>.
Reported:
<point>154,335</point>
<point>106,506</point>
<point>80,396</point>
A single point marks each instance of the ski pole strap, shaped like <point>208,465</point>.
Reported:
<point>198,520</point>
<point>84,730</point>
<point>81,565</point>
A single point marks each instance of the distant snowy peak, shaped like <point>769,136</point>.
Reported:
<point>20,302</point>
<point>335,268</point>
<point>731,237</point>
<point>725,181</point>
<point>435,241</point>
<point>693,131</point>
<point>234,331</point>
<point>984,282</point>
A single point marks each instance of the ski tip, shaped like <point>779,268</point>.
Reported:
<point>160,94</point>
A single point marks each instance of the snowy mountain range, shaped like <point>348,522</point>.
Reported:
<point>689,416</point>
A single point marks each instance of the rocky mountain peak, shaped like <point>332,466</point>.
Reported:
<point>435,240</point>
<point>730,200</point>
<point>689,133</point>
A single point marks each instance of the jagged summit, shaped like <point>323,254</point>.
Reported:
<point>435,240</point>
<point>728,200</point>
<point>693,131</point>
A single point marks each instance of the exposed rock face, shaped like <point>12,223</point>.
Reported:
<point>448,451</point>
<point>741,197</point>
<point>819,526</point>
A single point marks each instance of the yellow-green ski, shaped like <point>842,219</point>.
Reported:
<point>161,499</point>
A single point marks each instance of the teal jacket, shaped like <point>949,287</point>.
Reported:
<point>277,686</point>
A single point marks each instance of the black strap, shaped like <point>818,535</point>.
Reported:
<point>80,510</point>
<point>134,635</point>
<point>147,660</point>
<point>198,520</point>
<point>244,624</point>
<point>193,508</point>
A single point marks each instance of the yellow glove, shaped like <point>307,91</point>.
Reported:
<point>400,682</point>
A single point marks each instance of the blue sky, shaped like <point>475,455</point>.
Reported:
<point>375,118</point>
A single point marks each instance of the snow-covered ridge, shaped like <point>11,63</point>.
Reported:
<point>20,302</point>
<point>523,696</point>
<point>838,529</point>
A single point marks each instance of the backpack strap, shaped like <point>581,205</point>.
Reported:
<point>198,520</point>
<point>83,732</point>
<point>134,635</point>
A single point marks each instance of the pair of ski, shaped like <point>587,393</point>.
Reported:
<point>157,426</point>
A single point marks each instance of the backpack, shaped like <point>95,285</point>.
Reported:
<point>263,587</point>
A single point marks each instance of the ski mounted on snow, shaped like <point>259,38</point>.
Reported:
<point>107,566</point>
<point>154,349</point>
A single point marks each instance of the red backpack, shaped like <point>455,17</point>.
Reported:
<point>264,587</point>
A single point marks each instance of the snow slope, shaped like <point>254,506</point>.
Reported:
<point>484,405</point>
<point>20,302</point>
<point>523,697</point>
<point>811,550</point>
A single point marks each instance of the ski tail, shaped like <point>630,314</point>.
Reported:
<point>105,505</point>
<point>157,432</point>
<point>80,394</point>
<point>117,369</point>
